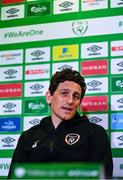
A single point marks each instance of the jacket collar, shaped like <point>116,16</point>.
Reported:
<point>46,121</point>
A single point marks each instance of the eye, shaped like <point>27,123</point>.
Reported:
<point>64,93</point>
<point>77,97</point>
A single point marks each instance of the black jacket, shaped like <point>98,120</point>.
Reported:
<point>75,140</point>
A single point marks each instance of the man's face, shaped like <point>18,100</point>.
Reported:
<point>65,100</point>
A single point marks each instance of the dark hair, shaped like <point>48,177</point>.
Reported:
<point>67,75</point>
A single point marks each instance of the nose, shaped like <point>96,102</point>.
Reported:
<point>70,99</point>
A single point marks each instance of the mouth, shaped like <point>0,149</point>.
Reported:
<point>68,109</point>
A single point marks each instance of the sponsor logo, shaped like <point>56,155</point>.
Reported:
<point>117,84</point>
<point>95,67</point>
<point>120,2</point>
<point>117,48</point>
<point>11,57</point>
<point>10,107</point>
<point>36,88</point>
<point>11,74</point>
<point>10,124</point>
<point>94,4</point>
<point>94,103</point>
<point>94,48</point>
<point>8,141</point>
<point>120,24</point>
<point>117,66</point>
<point>12,12</point>
<point>117,120</point>
<point>30,121</point>
<point>117,139</point>
<point>92,1</point>
<point>38,54</point>
<point>37,71</point>
<point>79,27</point>
<point>120,138</point>
<point>64,67</point>
<point>96,85</point>
<point>4,166</point>
<point>120,64</point>
<point>60,66</point>
<point>98,49</point>
<point>11,1</point>
<point>10,90</point>
<point>117,102</point>
<point>120,100</point>
<point>117,3</point>
<point>66,6</point>
<point>36,106</point>
<point>35,122</point>
<point>72,138</point>
<point>66,52</point>
<point>38,9</point>
<point>101,119</point>
<point>35,144</point>
<point>95,119</point>
<point>121,166</point>
<point>118,167</point>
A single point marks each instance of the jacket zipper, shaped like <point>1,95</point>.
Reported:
<point>51,146</point>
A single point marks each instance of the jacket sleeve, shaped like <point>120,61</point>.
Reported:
<point>100,150</point>
<point>19,154</point>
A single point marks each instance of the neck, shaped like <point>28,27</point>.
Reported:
<point>56,121</point>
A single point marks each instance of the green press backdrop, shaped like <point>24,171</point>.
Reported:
<point>40,37</point>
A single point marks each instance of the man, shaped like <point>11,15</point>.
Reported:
<point>65,136</point>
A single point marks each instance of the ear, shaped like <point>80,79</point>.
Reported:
<point>48,97</point>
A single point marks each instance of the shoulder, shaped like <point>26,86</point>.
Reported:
<point>31,135</point>
<point>98,134</point>
<point>93,128</point>
<point>35,128</point>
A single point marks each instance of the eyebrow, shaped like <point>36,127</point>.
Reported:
<point>65,89</point>
<point>76,92</point>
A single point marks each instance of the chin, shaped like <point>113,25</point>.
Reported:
<point>67,117</point>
